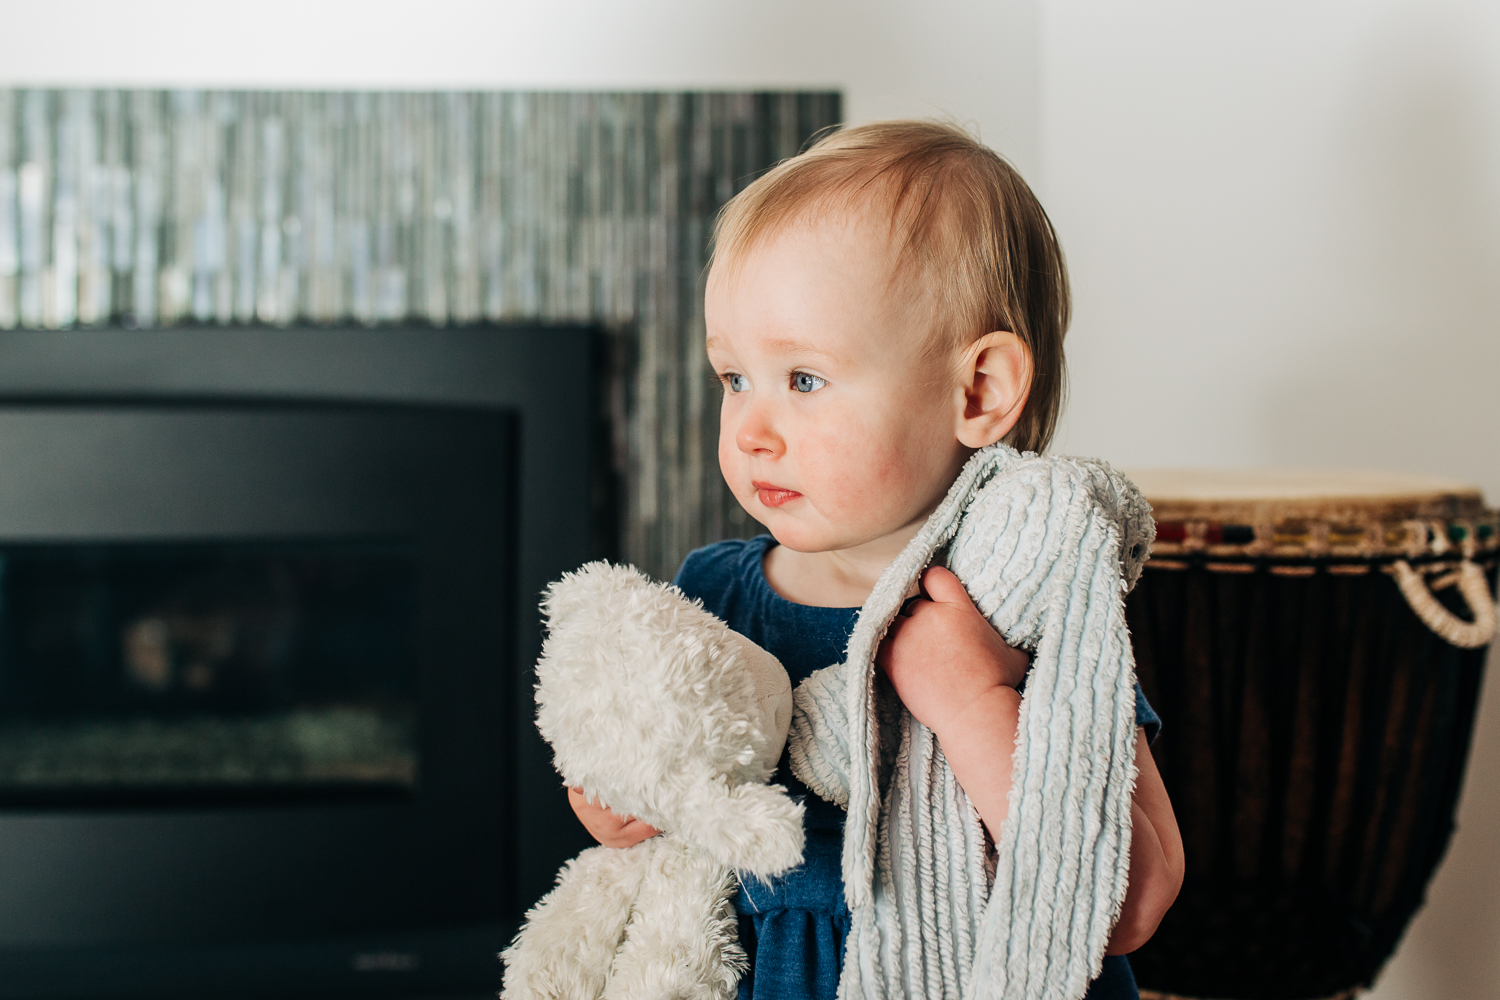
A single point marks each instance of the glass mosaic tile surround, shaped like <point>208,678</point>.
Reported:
<point>150,208</point>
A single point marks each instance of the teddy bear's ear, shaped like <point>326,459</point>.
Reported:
<point>592,592</point>
<point>755,829</point>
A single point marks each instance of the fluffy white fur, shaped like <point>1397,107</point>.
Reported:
<point>657,709</point>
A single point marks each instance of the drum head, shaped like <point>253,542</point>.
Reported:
<point>1262,496</point>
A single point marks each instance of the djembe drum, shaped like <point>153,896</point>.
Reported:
<point>1314,643</point>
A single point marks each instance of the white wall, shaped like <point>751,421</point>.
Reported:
<point>890,58</point>
<point>1283,218</point>
<point>1283,224</point>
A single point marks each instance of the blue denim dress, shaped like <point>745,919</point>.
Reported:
<point>793,929</point>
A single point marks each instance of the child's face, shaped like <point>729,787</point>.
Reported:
<point>836,429</point>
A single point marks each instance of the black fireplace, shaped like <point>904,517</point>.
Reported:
<point>267,613</point>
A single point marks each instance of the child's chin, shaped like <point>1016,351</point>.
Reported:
<point>797,537</point>
<point>792,530</point>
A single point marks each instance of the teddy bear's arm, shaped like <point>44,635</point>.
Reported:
<point>567,946</point>
<point>818,742</point>
<point>682,941</point>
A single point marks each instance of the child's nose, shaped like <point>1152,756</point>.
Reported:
<point>757,434</point>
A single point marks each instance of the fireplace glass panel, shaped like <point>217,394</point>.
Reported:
<point>220,672</point>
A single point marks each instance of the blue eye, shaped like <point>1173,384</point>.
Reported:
<point>736,382</point>
<point>803,382</point>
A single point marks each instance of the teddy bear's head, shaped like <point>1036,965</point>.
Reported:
<point>658,709</point>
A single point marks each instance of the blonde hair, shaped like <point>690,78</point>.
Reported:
<point>965,221</point>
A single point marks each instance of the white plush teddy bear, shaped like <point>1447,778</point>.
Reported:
<point>656,709</point>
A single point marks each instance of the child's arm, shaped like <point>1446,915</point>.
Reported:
<point>1156,858</point>
<point>957,676</point>
<point>952,671</point>
<point>607,828</point>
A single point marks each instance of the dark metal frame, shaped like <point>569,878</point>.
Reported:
<point>546,377</point>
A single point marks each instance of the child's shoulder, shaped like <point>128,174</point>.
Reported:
<point>707,574</point>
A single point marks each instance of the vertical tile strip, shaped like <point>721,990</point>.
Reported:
<point>10,258</point>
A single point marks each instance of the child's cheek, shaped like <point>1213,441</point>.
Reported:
<point>733,467</point>
<point>894,469</point>
<point>854,469</point>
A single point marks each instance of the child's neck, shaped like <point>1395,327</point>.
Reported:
<point>834,578</point>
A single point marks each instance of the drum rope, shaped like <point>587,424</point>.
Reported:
<point>1475,591</point>
<point>1460,539</point>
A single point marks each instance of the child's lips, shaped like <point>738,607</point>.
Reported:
<point>774,496</point>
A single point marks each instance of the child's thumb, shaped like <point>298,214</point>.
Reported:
<point>945,588</point>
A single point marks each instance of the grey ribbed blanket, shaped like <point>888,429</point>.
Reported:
<point>1047,547</point>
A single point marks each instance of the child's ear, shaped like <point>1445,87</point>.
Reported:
<point>994,381</point>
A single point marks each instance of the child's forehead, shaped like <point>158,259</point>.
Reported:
<point>792,318</point>
<point>839,238</point>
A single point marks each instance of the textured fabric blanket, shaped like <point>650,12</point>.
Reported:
<point>1047,547</point>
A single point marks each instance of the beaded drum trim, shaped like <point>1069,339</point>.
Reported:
<point>1455,538</point>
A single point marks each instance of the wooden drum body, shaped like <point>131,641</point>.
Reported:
<point>1316,729</point>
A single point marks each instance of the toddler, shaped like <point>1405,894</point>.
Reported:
<point>879,308</point>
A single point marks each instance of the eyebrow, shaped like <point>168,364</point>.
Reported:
<point>786,346</point>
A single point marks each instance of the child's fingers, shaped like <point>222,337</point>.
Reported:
<point>943,587</point>
<point>638,830</point>
<point>883,651</point>
<point>607,827</point>
<point>592,806</point>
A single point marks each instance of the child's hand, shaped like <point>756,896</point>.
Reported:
<point>607,828</point>
<point>943,656</point>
